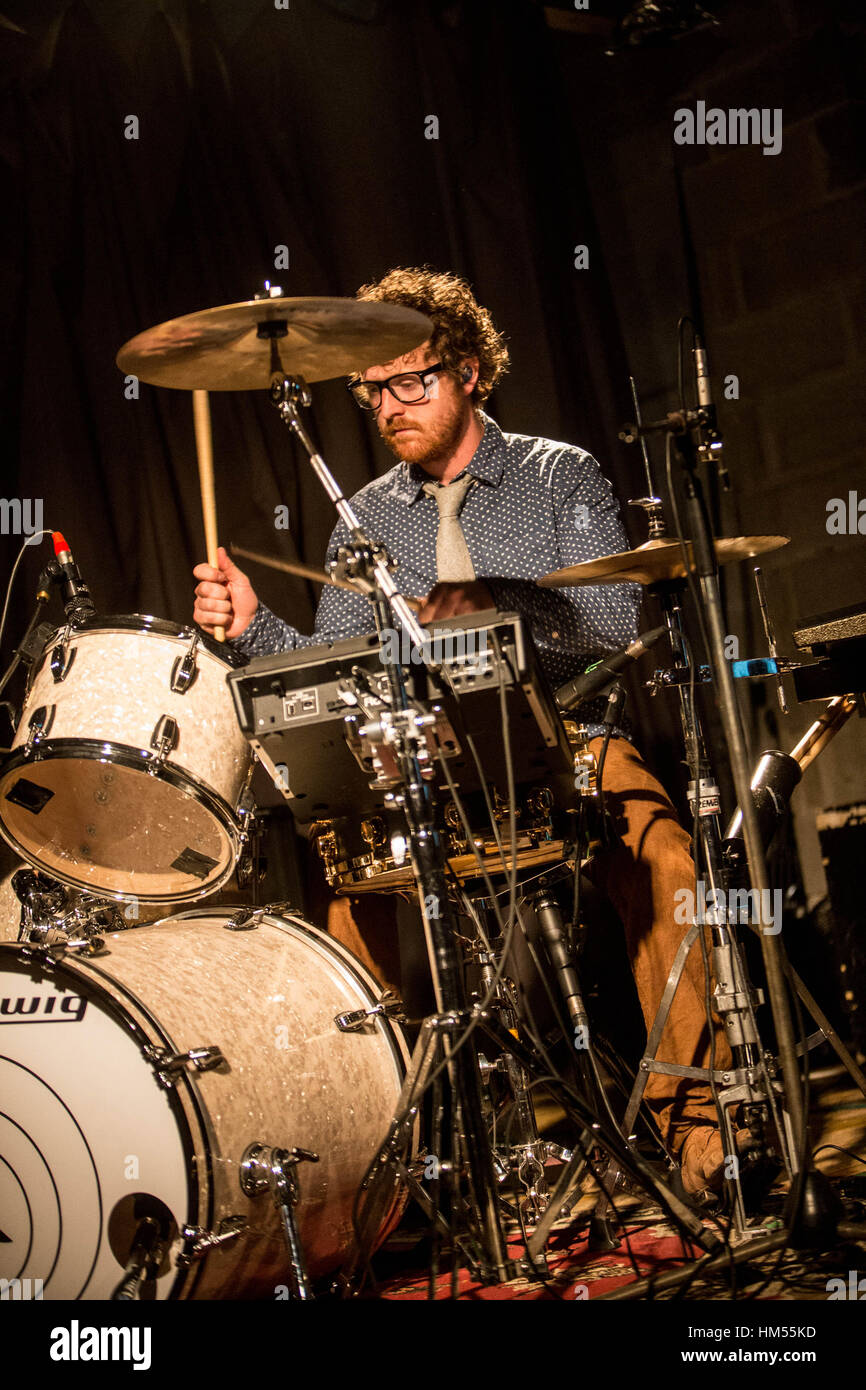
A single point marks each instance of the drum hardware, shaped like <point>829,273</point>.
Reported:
<point>251,865</point>
<point>39,725</point>
<point>169,1066</point>
<point>62,658</point>
<point>266,1169</point>
<point>381,870</point>
<point>690,434</point>
<point>520,1150</point>
<point>163,741</point>
<point>585,761</point>
<point>199,1242</point>
<point>245,919</point>
<point>185,668</point>
<point>749,1082</point>
<point>52,915</point>
<point>732,994</point>
<point>59,944</point>
<point>148,1249</point>
<point>324,837</point>
<point>359,1020</point>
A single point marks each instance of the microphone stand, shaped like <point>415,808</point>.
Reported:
<point>810,1210</point>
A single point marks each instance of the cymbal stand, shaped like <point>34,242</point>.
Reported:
<point>522,1151</point>
<point>398,734</point>
<point>695,435</point>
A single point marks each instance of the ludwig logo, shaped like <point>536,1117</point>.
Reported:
<point>43,1010</point>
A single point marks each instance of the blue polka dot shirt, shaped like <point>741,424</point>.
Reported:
<point>536,506</point>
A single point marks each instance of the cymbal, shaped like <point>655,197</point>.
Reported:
<point>655,561</point>
<point>220,350</point>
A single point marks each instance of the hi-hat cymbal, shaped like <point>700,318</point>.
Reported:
<point>655,561</point>
<point>221,350</point>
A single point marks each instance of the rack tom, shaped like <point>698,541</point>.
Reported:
<point>128,766</point>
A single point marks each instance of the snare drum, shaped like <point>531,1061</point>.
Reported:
<point>104,1123</point>
<point>128,763</point>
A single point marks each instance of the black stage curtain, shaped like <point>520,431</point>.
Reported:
<point>261,128</point>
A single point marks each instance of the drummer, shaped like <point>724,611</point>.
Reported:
<point>473,516</point>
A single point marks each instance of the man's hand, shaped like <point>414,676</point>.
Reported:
<point>224,597</point>
<point>449,599</point>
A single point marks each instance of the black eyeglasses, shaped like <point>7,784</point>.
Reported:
<point>405,387</point>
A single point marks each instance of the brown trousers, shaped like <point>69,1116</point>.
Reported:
<point>641,878</point>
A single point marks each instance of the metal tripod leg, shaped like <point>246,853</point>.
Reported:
<point>736,1078</point>
<point>827,1031</point>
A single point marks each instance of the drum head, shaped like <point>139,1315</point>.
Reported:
<point>105,824</point>
<point>89,1142</point>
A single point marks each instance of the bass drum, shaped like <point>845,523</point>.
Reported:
<point>99,1131</point>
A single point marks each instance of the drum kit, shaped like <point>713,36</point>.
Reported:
<point>223,1102</point>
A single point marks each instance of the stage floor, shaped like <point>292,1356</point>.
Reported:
<point>837,1118</point>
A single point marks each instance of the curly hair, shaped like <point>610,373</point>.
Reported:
<point>461,327</point>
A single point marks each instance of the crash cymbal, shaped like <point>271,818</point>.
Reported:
<point>221,350</point>
<point>655,561</point>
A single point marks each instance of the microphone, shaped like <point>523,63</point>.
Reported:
<point>702,376</point>
<point>598,676</point>
<point>75,593</point>
<point>711,450</point>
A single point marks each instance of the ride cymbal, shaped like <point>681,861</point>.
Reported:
<point>229,348</point>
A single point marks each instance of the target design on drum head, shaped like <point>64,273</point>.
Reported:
<point>88,1140</point>
<point>46,1169</point>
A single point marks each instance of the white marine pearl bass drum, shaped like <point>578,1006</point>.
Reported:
<point>136,1082</point>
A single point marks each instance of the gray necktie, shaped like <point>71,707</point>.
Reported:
<point>453,560</point>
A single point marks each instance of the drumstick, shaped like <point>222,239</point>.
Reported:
<point>204,450</point>
<point>305,571</point>
<point>292,567</point>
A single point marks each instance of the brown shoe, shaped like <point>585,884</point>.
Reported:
<point>702,1159</point>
